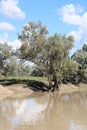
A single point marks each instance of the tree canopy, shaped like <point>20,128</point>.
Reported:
<point>49,53</point>
<point>80,56</point>
<point>5,53</point>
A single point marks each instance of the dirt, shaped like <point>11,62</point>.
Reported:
<point>14,91</point>
<point>20,91</point>
<point>4,92</point>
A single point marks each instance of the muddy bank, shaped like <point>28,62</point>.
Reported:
<point>4,92</point>
<point>14,91</point>
<point>69,88</point>
<point>20,91</point>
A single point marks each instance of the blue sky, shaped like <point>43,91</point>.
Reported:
<point>61,16</point>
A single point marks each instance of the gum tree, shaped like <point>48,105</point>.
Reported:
<point>48,53</point>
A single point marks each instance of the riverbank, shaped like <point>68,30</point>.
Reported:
<point>21,91</point>
<point>70,88</point>
<point>14,91</point>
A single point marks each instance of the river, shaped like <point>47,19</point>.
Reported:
<point>45,111</point>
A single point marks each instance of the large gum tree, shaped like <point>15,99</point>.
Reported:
<point>49,53</point>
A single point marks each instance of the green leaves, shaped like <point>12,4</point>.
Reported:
<point>5,53</point>
<point>51,54</point>
<point>81,58</point>
<point>48,53</point>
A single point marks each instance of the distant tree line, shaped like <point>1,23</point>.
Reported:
<point>10,64</point>
<point>50,55</point>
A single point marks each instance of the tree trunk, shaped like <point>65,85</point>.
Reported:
<point>55,85</point>
<point>50,81</point>
<point>53,82</point>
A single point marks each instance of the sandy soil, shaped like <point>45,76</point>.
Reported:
<point>14,91</point>
<point>19,91</point>
<point>4,92</point>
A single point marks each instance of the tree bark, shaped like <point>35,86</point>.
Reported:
<point>55,85</point>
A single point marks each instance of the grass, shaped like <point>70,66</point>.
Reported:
<point>42,79</point>
<point>35,83</point>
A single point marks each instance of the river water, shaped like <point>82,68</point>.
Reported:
<point>47,111</point>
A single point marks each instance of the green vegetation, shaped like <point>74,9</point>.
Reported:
<point>50,55</point>
<point>34,83</point>
<point>21,78</point>
<point>5,53</point>
<point>81,58</point>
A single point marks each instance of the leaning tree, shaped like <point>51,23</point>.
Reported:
<point>49,53</point>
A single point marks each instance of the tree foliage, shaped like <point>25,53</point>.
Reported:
<point>80,56</point>
<point>10,65</point>
<point>70,70</point>
<point>5,53</point>
<point>16,67</point>
<point>49,53</point>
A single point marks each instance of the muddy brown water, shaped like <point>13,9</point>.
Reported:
<point>48,111</point>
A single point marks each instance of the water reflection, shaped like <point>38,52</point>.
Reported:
<point>49,111</point>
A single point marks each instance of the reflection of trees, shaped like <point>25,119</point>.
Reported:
<point>49,111</point>
<point>62,111</point>
<point>17,111</point>
<point>7,112</point>
<point>53,114</point>
<point>40,98</point>
<point>78,106</point>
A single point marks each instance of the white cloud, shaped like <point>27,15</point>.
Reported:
<point>70,14</point>
<point>77,34</point>
<point>75,15</point>
<point>15,44</point>
<point>6,26</point>
<point>11,9</point>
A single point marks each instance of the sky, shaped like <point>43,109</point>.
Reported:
<point>59,16</point>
